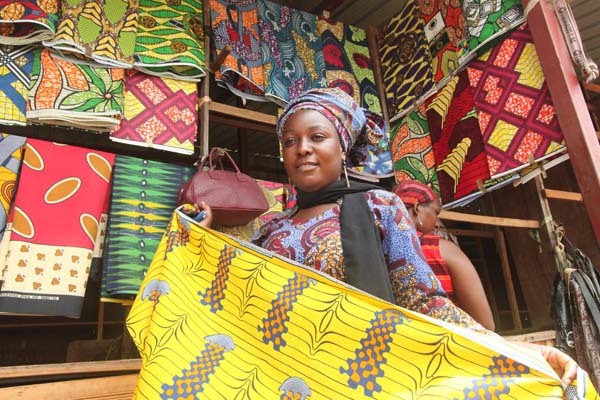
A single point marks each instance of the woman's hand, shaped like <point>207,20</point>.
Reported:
<point>560,362</point>
<point>195,212</point>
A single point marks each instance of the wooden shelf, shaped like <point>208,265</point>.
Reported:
<point>486,220</point>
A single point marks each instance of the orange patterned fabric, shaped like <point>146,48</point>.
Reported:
<point>54,224</point>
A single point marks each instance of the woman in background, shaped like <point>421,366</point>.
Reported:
<point>452,267</point>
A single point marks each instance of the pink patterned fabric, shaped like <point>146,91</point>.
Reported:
<point>159,112</point>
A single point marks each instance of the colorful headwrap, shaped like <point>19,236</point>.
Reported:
<point>412,192</point>
<point>349,120</point>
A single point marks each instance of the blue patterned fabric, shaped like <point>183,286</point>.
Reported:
<point>16,63</point>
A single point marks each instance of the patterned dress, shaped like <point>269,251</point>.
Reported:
<point>316,242</point>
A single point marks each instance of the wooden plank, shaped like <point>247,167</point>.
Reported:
<point>562,195</point>
<point>75,368</point>
<point>533,337</point>
<point>241,113</point>
<point>377,71</point>
<point>486,220</point>
<point>510,287</point>
<point>113,387</point>
<point>249,126</point>
<point>472,233</point>
<point>594,87</point>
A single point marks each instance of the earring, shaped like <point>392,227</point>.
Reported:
<point>345,172</point>
<point>420,222</point>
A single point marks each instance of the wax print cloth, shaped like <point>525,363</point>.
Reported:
<point>412,151</point>
<point>11,154</point>
<point>446,35</point>
<point>76,95</point>
<point>16,63</point>
<point>405,61</point>
<point>235,23</point>
<point>158,112</point>
<point>275,194</point>
<point>102,31</point>
<point>26,22</point>
<point>144,194</point>
<point>234,321</point>
<point>456,139</point>
<point>292,51</point>
<point>170,39</point>
<point>348,62</point>
<point>62,189</point>
<point>487,20</point>
<point>515,112</point>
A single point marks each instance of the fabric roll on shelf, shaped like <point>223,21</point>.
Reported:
<point>15,79</point>
<point>27,22</point>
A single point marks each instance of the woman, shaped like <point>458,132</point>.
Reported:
<point>452,267</point>
<point>355,232</point>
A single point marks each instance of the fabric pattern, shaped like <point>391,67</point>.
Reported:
<point>235,23</point>
<point>457,144</point>
<point>144,194</point>
<point>46,273</point>
<point>236,322</point>
<point>25,22</point>
<point>446,34</point>
<point>77,95</point>
<point>100,30</point>
<point>348,62</point>
<point>292,52</point>
<point>316,242</point>
<point>431,250</point>
<point>405,61</point>
<point>515,112</point>
<point>159,112</point>
<point>16,63</point>
<point>170,39</point>
<point>412,151</point>
<point>11,154</point>
<point>487,20</point>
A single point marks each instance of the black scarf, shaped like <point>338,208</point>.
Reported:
<point>366,268</point>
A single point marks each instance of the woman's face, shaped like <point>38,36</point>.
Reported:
<point>312,153</point>
<point>428,215</point>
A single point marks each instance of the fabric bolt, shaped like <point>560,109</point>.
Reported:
<point>158,112</point>
<point>144,194</point>
<point>76,95</point>
<point>46,273</point>
<point>11,154</point>
<point>244,322</point>
<point>405,61</point>
<point>446,35</point>
<point>488,20</point>
<point>348,62</point>
<point>101,31</point>
<point>292,52</point>
<point>456,139</point>
<point>235,24</point>
<point>170,39</point>
<point>275,193</point>
<point>412,151</point>
<point>515,111</point>
<point>26,22</point>
<point>16,64</point>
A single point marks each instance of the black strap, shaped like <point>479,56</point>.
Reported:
<point>589,295</point>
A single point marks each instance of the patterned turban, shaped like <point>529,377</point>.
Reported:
<point>355,126</point>
<point>412,192</point>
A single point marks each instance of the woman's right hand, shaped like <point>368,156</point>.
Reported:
<point>198,208</point>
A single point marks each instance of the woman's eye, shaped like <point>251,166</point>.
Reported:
<point>288,142</point>
<point>318,136</point>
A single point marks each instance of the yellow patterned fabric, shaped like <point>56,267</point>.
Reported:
<point>218,318</point>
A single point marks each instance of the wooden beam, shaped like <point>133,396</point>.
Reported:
<point>74,368</point>
<point>377,71</point>
<point>243,114</point>
<point>486,220</point>
<point>247,125</point>
<point>113,387</point>
<point>594,87</point>
<point>510,287</point>
<point>562,195</point>
<point>472,233</point>
<point>574,119</point>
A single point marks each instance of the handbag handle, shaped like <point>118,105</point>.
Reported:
<point>212,154</point>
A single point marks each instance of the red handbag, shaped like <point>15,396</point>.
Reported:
<point>234,197</point>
